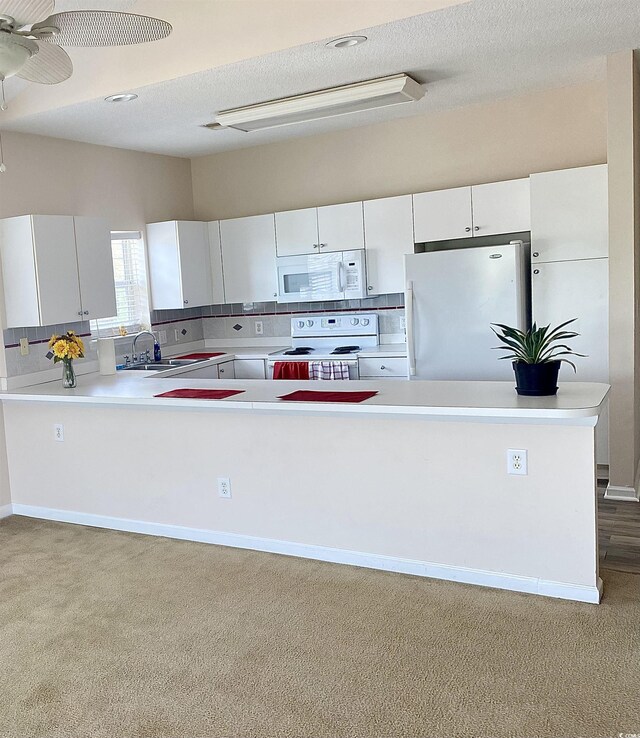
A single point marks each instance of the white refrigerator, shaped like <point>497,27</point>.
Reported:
<point>452,296</point>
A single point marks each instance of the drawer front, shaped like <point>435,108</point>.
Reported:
<point>384,367</point>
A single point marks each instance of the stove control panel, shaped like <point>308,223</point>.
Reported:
<point>363,324</point>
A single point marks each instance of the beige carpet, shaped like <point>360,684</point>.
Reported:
<point>120,635</point>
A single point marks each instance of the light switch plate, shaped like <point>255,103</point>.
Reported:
<point>24,347</point>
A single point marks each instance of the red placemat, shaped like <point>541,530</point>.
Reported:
<point>200,394</point>
<point>200,355</point>
<point>320,396</point>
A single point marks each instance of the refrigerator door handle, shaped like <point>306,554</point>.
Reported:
<point>411,354</point>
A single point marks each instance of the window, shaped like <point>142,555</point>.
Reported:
<point>131,286</point>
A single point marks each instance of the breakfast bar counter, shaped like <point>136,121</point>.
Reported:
<point>413,479</point>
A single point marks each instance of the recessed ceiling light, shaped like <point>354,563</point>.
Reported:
<point>346,41</point>
<point>122,97</point>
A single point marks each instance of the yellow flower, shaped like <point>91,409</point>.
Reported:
<point>73,350</point>
<point>78,341</point>
<point>61,349</point>
<point>53,339</point>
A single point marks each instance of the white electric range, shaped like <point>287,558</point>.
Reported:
<point>329,338</point>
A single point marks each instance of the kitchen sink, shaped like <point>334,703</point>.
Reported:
<point>152,367</point>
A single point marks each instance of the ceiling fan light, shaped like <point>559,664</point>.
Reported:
<point>15,51</point>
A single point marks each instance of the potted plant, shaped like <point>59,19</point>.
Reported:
<point>537,354</point>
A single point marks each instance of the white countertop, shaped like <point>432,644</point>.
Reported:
<point>384,349</point>
<point>575,403</point>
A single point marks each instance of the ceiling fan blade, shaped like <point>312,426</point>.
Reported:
<point>100,28</point>
<point>25,12</point>
<point>48,67</point>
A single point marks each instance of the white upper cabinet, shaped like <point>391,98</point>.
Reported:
<point>297,232</point>
<point>481,210</point>
<point>56,269</point>
<point>388,227</point>
<point>95,268</point>
<point>341,227</point>
<point>442,215</point>
<point>215,250</point>
<point>569,214</point>
<point>179,264</point>
<point>249,258</point>
<point>501,207</point>
<point>317,230</point>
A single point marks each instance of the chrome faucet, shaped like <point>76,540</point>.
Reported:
<point>133,346</point>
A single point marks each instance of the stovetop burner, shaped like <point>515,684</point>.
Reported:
<point>300,351</point>
<point>345,349</point>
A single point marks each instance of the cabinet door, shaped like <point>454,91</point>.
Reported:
<point>341,227</point>
<point>22,307</point>
<point>576,289</point>
<point>195,263</point>
<point>57,269</point>
<point>95,268</point>
<point>215,250</point>
<point>501,207</point>
<point>569,214</point>
<point>249,369</point>
<point>226,370</point>
<point>563,290</point>
<point>442,215</point>
<point>297,232</point>
<point>249,259</point>
<point>164,266</point>
<point>388,230</point>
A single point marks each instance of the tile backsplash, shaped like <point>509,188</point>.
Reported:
<point>234,322</point>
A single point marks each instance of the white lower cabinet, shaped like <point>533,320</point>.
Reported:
<point>56,269</point>
<point>391,367</point>
<point>226,370</point>
<point>249,369</point>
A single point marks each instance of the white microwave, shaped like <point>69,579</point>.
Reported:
<point>335,275</point>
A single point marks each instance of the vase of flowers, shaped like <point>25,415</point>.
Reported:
<point>65,349</point>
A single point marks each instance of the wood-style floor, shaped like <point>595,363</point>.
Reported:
<point>618,533</point>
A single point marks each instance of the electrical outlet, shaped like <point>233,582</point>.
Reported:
<point>224,487</point>
<point>259,329</point>
<point>24,347</point>
<point>176,334</point>
<point>403,323</point>
<point>58,432</point>
<point>517,461</point>
<point>162,337</point>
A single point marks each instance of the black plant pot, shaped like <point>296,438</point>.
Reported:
<point>536,380</point>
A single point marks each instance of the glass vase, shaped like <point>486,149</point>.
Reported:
<point>68,374</point>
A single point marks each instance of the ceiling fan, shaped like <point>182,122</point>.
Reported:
<point>31,37</point>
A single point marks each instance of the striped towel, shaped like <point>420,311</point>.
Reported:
<point>328,370</point>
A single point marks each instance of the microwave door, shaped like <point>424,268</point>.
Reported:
<point>309,278</point>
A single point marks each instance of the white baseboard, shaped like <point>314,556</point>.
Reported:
<point>580,593</point>
<point>6,510</point>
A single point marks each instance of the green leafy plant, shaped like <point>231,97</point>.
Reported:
<point>536,345</point>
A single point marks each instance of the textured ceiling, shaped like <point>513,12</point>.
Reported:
<point>469,53</point>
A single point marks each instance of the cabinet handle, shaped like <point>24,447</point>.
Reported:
<point>79,312</point>
<point>316,245</point>
<point>86,312</point>
<point>369,288</point>
<point>186,302</point>
<point>275,294</point>
<point>476,228</point>
<point>535,253</point>
<point>383,367</point>
<point>322,245</point>
<point>467,229</point>
<point>536,271</point>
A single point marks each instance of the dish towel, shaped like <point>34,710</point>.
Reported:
<point>291,370</point>
<point>328,370</point>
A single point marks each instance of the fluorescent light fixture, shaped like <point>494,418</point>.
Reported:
<point>374,93</point>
